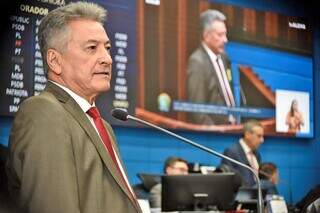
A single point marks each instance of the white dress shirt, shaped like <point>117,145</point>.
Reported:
<point>252,159</point>
<point>222,76</point>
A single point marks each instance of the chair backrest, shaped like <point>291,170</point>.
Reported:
<point>149,180</point>
<point>142,190</point>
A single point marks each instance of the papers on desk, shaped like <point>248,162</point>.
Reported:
<point>276,204</point>
<point>144,205</point>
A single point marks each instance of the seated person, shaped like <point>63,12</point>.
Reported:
<point>148,180</point>
<point>308,199</point>
<point>172,166</point>
<point>269,177</point>
<point>314,207</point>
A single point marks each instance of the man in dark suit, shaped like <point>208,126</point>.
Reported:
<point>63,157</point>
<point>246,152</point>
<point>209,75</point>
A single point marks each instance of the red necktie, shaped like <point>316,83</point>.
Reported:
<point>94,113</point>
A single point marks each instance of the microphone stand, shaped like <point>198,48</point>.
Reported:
<point>199,146</point>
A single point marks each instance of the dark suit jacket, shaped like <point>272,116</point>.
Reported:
<point>270,187</point>
<point>236,152</point>
<point>57,162</point>
<point>203,86</point>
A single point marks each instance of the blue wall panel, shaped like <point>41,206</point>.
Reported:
<point>5,126</point>
<point>144,150</point>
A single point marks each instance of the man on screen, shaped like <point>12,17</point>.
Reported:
<point>63,155</point>
<point>246,152</point>
<point>209,75</point>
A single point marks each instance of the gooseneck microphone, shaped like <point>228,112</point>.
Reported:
<point>122,115</point>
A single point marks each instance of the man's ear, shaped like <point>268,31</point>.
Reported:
<point>54,61</point>
<point>246,134</point>
<point>167,170</point>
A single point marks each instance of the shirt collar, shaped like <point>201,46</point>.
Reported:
<point>244,146</point>
<point>83,103</point>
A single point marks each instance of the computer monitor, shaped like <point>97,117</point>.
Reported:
<point>249,195</point>
<point>196,192</point>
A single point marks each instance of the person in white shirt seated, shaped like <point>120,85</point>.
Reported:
<point>246,151</point>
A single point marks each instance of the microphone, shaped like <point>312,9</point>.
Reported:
<point>122,115</point>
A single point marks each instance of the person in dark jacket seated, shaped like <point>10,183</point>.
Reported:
<point>173,166</point>
<point>269,177</point>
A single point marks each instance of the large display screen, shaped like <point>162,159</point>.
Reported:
<point>269,53</point>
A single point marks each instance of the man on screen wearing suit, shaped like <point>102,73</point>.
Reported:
<point>63,155</point>
<point>209,75</point>
<point>246,151</point>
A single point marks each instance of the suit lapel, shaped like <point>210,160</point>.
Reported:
<point>212,70</point>
<point>74,109</point>
<point>258,156</point>
<point>243,154</point>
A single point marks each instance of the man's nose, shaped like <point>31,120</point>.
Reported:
<point>225,39</point>
<point>105,57</point>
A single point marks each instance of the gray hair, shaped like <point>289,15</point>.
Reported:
<point>53,30</point>
<point>249,125</point>
<point>209,16</point>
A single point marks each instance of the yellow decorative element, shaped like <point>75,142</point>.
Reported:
<point>229,75</point>
<point>164,102</point>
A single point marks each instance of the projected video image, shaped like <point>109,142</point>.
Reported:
<point>180,86</point>
<point>164,74</point>
<point>292,112</point>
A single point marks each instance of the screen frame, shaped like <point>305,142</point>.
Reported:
<point>178,192</point>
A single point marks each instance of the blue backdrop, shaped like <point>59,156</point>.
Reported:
<point>144,150</point>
